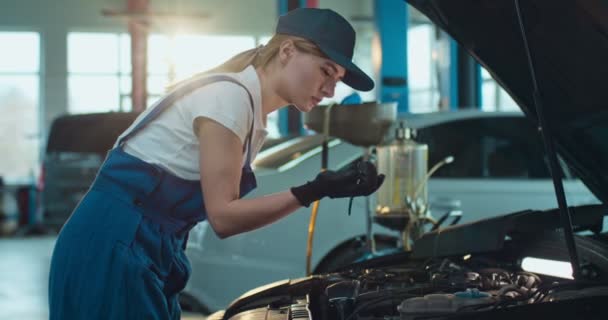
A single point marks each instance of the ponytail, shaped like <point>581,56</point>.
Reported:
<point>257,57</point>
<point>237,63</point>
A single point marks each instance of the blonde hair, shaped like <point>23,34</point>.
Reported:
<point>261,56</point>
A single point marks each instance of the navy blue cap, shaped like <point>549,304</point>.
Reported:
<point>334,36</point>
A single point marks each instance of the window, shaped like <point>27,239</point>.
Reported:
<point>172,58</point>
<point>99,79</point>
<point>105,85</point>
<point>494,97</point>
<point>19,105</point>
<point>424,92</point>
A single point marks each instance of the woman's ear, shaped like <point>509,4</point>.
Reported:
<point>286,51</point>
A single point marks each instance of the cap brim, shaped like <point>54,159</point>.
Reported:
<point>353,77</point>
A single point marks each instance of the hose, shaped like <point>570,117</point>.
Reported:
<point>311,232</point>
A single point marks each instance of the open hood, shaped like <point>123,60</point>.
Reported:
<point>568,40</point>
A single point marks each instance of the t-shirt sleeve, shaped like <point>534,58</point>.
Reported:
<point>224,102</point>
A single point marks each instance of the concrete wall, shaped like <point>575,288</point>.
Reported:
<point>54,19</point>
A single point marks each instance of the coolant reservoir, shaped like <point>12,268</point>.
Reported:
<point>404,162</point>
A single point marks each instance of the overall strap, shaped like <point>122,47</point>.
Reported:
<point>167,101</point>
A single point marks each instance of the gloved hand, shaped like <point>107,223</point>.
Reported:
<point>359,178</point>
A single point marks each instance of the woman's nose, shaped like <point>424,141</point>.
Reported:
<point>328,89</point>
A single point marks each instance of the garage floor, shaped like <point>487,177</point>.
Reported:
<point>24,267</point>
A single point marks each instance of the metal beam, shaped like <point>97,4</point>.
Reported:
<point>454,92</point>
<point>463,87</point>
<point>139,48</point>
<point>469,81</point>
<point>391,21</point>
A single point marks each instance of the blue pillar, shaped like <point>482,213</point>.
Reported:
<point>391,23</point>
<point>282,7</point>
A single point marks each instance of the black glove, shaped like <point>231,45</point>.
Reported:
<point>359,178</point>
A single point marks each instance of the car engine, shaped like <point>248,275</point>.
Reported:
<point>440,288</point>
<point>473,271</point>
<point>437,289</point>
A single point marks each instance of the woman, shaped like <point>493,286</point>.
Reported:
<point>187,159</point>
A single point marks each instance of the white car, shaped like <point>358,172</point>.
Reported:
<point>496,170</point>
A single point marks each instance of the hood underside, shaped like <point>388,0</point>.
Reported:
<point>568,42</point>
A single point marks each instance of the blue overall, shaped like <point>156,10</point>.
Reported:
<point>121,253</point>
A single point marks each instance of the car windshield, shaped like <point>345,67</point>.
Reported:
<point>487,147</point>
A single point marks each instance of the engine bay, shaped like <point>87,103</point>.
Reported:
<point>437,289</point>
<point>467,280</point>
<point>441,288</point>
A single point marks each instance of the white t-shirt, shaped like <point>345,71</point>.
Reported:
<point>170,142</point>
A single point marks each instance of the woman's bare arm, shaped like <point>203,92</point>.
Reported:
<point>220,164</point>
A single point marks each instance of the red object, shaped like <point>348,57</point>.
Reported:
<point>312,3</point>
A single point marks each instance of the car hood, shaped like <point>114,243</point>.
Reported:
<point>568,41</point>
